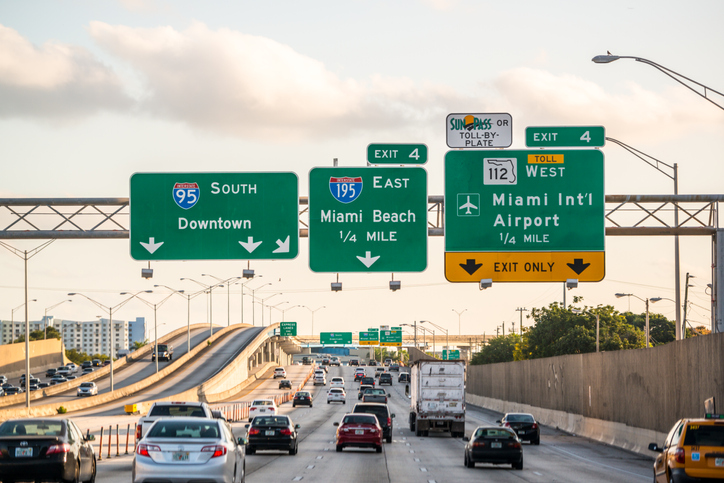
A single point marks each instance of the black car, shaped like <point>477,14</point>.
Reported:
<point>86,364</point>
<point>353,362</point>
<point>524,425</point>
<point>362,389</point>
<point>45,449</point>
<point>285,383</point>
<point>11,391</point>
<point>403,377</point>
<point>386,378</point>
<point>302,398</point>
<point>395,367</point>
<point>50,372</point>
<point>497,445</point>
<point>367,381</point>
<point>372,363</point>
<point>272,432</point>
<point>382,411</point>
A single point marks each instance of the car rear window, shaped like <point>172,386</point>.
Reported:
<point>380,411</point>
<point>520,418</point>
<point>336,390</point>
<point>704,435</point>
<point>176,411</point>
<point>169,428</point>
<point>305,394</point>
<point>494,433</point>
<point>279,421</point>
<point>359,420</point>
<point>262,403</point>
<point>31,428</point>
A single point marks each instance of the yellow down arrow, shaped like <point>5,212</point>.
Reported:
<point>524,266</point>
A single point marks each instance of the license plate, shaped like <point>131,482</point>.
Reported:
<point>521,432</point>
<point>359,431</point>
<point>181,456</point>
<point>496,445</point>
<point>23,452</point>
<point>719,462</point>
<point>262,410</point>
<point>269,432</point>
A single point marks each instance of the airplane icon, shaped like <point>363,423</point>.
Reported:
<point>467,206</point>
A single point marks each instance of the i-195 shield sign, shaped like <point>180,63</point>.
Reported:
<point>346,189</point>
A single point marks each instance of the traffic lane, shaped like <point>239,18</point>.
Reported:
<point>560,456</point>
<point>130,373</point>
<point>268,387</point>
<point>317,459</point>
<point>192,374</point>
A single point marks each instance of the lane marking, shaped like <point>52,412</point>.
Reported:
<point>407,444</point>
<point>536,473</point>
<point>596,463</point>
<point>412,451</point>
<point>320,457</point>
<point>424,470</point>
<point>417,460</point>
<point>310,467</point>
<point>298,478</point>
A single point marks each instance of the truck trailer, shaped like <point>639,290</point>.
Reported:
<point>437,397</point>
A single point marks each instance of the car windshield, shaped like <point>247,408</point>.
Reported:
<point>520,418</point>
<point>262,402</point>
<point>704,435</point>
<point>32,428</point>
<point>380,392</point>
<point>276,421</point>
<point>176,411</point>
<point>494,433</point>
<point>162,348</point>
<point>359,419</point>
<point>168,428</point>
<point>87,384</point>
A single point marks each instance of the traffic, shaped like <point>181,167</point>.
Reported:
<point>420,438</point>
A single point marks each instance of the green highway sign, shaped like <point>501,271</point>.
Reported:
<point>368,219</point>
<point>214,216</point>
<point>369,338</point>
<point>524,201</point>
<point>397,154</point>
<point>450,355</point>
<point>288,329</point>
<point>335,338</point>
<point>391,337</point>
<point>565,136</point>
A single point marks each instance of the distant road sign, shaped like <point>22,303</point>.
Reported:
<point>391,338</point>
<point>524,201</point>
<point>565,136</point>
<point>450,355</point>
<point>479,130</point>
<point>369,338</point>
<point>370,219</point>
<point>288,329</point>
<point>397,153</point>
<point>335,338</point>
<point>214,216</point>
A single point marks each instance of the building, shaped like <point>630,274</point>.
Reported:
<point>91,337</point>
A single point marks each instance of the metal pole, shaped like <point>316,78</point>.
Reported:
<point>228,305</point>
<point>677,274</point>
<point>564,300</point>
<point>717,289</point>
<point>686,302</point>
<point>188,326</point>
<point>415,334</point>
<point>647,323</point>
<point>211,313</point>
<point>597,326</point>
<point>155,335</point>
<point>110,325</point>
<point>27,337</point>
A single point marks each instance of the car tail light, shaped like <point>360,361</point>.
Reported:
<point>286,432</point>
<point>217,449</point>
<point>479,444</point>
<point>535,426</point>
<point>389,421</point>
<point>680,455</point>
<point>272,409</point>
<point>515,445</point>
<point>507,425</point>
<point>253,431</point>
<point>138,432</point>
<point>58,449</point>
<point>144,449</point>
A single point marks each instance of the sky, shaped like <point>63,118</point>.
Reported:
<point>94,91</point>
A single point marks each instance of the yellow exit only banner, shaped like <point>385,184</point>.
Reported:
<point>524,266</point>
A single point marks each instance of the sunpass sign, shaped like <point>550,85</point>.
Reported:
<point>479,130</point>
<point>214,216</point>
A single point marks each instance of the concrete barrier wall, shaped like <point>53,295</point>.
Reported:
<point>644,388</point>
<point>44,354</point>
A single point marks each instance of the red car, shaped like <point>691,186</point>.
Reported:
<point>360,430</point>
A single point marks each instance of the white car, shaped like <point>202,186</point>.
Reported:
<point>73,368</point>
<point>263,407</point>
<point>337,382</point>
<point>320,380</point>
<point>336,394</point>
<point>63,371</point>
<point>280,372</point>
<point>87,389</point>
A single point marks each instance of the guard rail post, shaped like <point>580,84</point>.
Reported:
<point>128,432</point>
<point>110,437</point>
<point>100,446</point>
<point>118,446</point>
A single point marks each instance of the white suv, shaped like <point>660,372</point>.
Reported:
<point>320,379</point>
<point>337,382</point>
<point>263,407</point>
<point>280,372</point>
<point>336,394</point>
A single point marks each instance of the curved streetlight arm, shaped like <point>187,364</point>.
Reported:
<point>433,324</point>
<point>619,295</point>
<point>605,59</point>
<point>648,159</point>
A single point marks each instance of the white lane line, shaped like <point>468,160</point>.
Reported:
<point>412,451</point>
<point>417,460</point>
<point>320,457</point>
<point>596,463</point>
<point>407,444</point>
<point>326,449</point>
<point>431,481</point>
<point>536,473</point>
<point>298,478</point>
<point>424,470</point>
<point>310,467</point>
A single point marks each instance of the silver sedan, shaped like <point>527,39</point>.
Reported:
<point>183,449</point>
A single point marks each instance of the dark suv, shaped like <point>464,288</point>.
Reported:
<point>385,378</point>
<point>382,411</point>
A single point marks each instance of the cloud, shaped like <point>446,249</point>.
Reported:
<point>544,97</point>
<point>252,86</point>
<point>440,4</point>
<point>54,80</point>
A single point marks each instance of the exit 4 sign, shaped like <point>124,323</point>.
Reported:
<point>565,136</point>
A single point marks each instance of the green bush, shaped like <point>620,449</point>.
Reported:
<point>62,410</point>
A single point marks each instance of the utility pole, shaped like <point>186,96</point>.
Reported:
<point>686,303</point>
<point>521,310</point>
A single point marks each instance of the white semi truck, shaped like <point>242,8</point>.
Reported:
<point>437,397</point>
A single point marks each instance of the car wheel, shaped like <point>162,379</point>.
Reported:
<point>537,441</point>
<point>327,402</point>
<point>250,450</point>
<point>294,405</point>
<point>378,449</point>
<point>93,471</point>
<point>469,462</point>
<point>339,448</point>
<point>671,478</point>
<point>293,451</point>
<point>518,465</point>
<point>76,475</point>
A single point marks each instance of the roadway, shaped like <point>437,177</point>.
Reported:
<point>560,457</point>
<point>128,374</point>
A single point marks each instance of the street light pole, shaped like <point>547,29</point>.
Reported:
<point>228,294</point>
<point>242,295</point>
<point>262,306</point>
<point>155,319</point>
<point>253,307</point>
<point>188,312</point>
<point>312,311</point>
<point>45,325</point>
<point>459,314</point>
<point>210,288</point>
<point>646,301</point>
